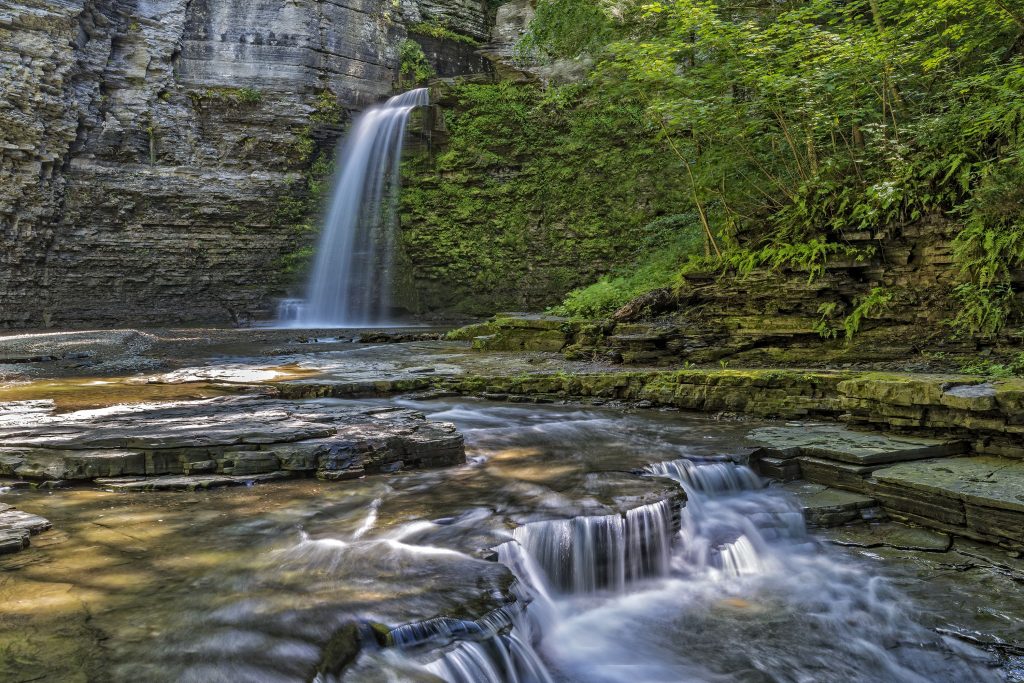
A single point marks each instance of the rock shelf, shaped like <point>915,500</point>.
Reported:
<point>222,441</point>
<point>17,527</point>
<point>976,497</point>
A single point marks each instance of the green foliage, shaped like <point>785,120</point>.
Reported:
<point>230,96</point>
<point>810,257</point>
<point>565,28</point>
<point>413,67</point>
<point>824,325</point>
<point>537,191</point>
<point>442,33</point>
<point>802,123</point>
<point>983,310</point>
<point>299,209</point>
<point>666,245</point>
<point>990,247</point>
<point>327,109</point>
<point>875,302</point>
<point>1014,367</point>
<point>305,145</point>
<point>294,265</point>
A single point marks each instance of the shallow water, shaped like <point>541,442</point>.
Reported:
<point>251,584</point>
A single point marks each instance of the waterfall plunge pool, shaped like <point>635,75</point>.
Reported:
<point>256,584</point>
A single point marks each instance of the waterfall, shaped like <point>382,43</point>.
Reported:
<point>501,659</point>
<point>714,476</point>
<point>587,554</point>
<point>725,527</point>
<point>350,285</point>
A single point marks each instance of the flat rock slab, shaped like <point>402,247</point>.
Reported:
<point>16,527</point>
<point>983,481</point>
<point>225,436</point>
<point>891,535</point>
<point>824,506</point>
<point>186,483</point>
<point>835,442</point>
<point>195,424</point>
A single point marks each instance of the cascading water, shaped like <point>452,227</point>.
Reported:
<point>736,539</point>
<point>350,285</point>
<point>586,554</point>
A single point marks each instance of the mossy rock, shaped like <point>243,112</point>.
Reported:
<point>341,650</point>
<point>521,339</point>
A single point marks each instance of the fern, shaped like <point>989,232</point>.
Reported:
<point>811,256</point>
<point>983,310</point>
<point>876,301</point>
<point>824,327</point>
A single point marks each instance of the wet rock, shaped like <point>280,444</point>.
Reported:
<point>892,536</point>
<point>187,483</point>
<point>242,463</point>
<point>835,473</point>
<point>235,436</point>
<point>972,397</point>
<point>983,481</point>
<point>516,332</point>
<point>836,442</point>
<point>828,507</point>
<point>302,455</point>
<point>979,497</point>
<point>341,650</point>
<point>200,467</point>
<point>17,528</point>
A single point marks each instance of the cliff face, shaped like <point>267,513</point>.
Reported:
<point>152,152</point>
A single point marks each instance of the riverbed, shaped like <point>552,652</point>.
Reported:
<point>563,548</point>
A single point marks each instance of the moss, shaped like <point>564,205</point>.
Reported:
<point>230,96</point>
<point>413,67</point>
<point>341,650</point>
<point>442,33</point>
<point>299,209</point>
<point>535,192</point>
<point>327,109</point>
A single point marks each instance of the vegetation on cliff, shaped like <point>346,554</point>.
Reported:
<point>790,126</point>
<point>535,191</point>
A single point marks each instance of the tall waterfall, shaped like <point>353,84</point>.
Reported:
<point>350,285</point>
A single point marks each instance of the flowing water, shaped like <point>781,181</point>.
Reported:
<point>350,285</point>
<point>561,553</point>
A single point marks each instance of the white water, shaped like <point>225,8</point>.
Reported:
<point>350,285</point>
<point>587,554</point>
<point>741,593</point>
<point>743,572</point>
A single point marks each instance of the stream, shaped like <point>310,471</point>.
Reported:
<point>561,552</point>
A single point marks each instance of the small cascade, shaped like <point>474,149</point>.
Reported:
<point>350,285</point>
<point>708,476</point>
<point>726,525</point>
<point>587,554</point>
<point>494,649</point>
<point>500,659</point>
<point>290,311</point>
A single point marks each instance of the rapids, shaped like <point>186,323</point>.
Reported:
<point>562,552</point>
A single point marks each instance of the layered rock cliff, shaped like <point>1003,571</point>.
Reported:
<point>155,154</point>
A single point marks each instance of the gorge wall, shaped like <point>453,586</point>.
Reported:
<point>157,156</point>
<point>529,192</point>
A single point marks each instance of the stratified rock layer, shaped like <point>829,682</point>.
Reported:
<point>222,442</point>
<point>155,156</point>
<point>17,527</point>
